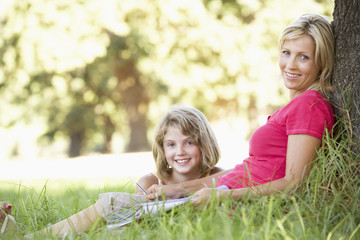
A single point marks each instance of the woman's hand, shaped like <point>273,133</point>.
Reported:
<point>203,196</point>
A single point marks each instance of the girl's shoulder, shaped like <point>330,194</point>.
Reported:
<point>216,170</point>
<point>150,176</point>
<point>147,181</point>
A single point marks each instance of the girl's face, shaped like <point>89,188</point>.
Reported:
<point>297,64</point>
<point>181,153</point>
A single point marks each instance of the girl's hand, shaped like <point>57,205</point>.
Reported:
<point>153,192</point>
<point>168,191</point>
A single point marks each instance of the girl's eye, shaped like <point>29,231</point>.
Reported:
<point>303,57</point>
<point>188,143</point>
<point>171,144</point>
<point>286,52</point>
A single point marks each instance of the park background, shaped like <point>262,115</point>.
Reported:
<point>83,83</point>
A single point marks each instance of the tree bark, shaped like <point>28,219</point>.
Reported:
<point>109,129</point>
<point>76,144</point>
<point>346,79</point>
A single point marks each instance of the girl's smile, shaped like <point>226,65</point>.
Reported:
<point>181,153</point>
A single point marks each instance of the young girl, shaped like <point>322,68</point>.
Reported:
<point>281,151</point>
<point>185,148</point>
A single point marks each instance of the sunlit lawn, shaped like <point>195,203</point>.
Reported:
<point>326,207</point>
<point>304,216</point>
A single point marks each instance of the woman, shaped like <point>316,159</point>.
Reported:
<point>281,151</point>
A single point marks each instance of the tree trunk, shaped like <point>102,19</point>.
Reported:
<point>136,102</point>
<point>109,129</point>
<point>76,144</point>
<point>346,77</point>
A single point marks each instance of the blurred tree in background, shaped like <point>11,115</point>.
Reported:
<point>90,69</point>
<point>346,78</point>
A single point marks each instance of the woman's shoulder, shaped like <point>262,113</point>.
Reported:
<point>311,96</point>
<point>310,99</point>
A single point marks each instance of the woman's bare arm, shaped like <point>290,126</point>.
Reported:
<point>301,152</point>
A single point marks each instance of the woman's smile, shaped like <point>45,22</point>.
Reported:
<point>291,75</point>
<point>297,64</point>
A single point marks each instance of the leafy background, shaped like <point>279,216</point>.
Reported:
<point>79,78</point>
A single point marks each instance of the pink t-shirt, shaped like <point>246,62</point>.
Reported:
<point>308,113</point>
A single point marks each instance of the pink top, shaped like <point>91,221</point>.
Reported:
<point>308,113</point>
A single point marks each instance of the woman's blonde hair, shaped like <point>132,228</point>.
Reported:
<point>194,124</point>
<point>319,29</point>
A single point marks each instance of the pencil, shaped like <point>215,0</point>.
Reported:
<point>142,189</point>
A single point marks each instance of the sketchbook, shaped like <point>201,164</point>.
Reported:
<point>127,215</point>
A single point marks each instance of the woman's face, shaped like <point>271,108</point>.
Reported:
<point>297,64</point>
<point>181,153</point>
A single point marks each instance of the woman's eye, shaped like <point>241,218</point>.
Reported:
<point>171,144</point>
<point>286,52</point>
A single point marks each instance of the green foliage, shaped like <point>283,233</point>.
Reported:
<point>61,58</point>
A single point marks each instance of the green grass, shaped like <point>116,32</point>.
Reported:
<point>326,206</point>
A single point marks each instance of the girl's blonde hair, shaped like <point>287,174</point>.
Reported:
<point>319,29</point>
<point>194,124</point>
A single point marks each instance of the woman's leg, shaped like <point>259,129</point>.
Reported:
<point>80,222</point>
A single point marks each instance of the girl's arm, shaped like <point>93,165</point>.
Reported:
<point>300,152</point>
<point>184,188</point>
